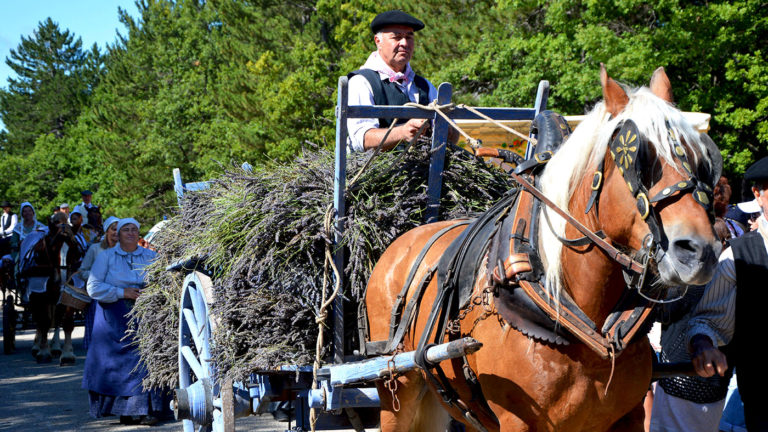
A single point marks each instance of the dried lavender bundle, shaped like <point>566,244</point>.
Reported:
<point>264,237</point>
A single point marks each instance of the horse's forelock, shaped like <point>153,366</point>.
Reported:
<point>587,146</point>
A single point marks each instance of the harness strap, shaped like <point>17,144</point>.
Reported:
<point>618,256</point>
<point>564,310</point>
<point>395,324</point>
<point>597,185</point>
<point>538,159</point>
<point>581,241</point>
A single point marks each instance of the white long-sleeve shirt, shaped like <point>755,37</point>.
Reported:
<point>361,93</point>
<point>115,270</point>
<point>90,258</point>
<point>7,232</point>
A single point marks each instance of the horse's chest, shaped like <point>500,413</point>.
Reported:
<point>570,386</point>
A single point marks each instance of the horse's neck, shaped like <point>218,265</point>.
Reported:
<point>594,281</point>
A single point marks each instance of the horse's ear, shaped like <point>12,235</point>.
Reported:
<point>615,97</point>
<point>660,85</point>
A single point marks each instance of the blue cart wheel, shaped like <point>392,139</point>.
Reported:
<point>198,400</point>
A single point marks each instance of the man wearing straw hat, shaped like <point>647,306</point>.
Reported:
<point>729,311</point>
<point>386,78</point>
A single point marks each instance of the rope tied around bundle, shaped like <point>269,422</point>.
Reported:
<point>325,303</point>
<point>474,143</point>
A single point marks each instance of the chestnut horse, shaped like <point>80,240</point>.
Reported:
<point>524,383</point>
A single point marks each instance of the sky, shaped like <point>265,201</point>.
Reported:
<point>94,21</point>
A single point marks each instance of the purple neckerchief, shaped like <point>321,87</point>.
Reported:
<point>376,63</point>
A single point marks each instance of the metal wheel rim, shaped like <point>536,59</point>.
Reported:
<point>195,353</point>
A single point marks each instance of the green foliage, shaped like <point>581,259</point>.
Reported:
<point>54,79</point>
<point>197,84</point>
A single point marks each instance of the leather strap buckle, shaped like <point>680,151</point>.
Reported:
<point>543,157</point>
<point>597,180</point>
<point>643,206</point>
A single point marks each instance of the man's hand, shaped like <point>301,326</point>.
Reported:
<point>409,130</point>
<point>404,132</point>
<point>131,293</point>
<point>706,358</point>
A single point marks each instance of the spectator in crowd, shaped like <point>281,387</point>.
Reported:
<point>29,224</point>
<point>684,403</point>
<point>752,211</point>
<point>113,372</point>
<point>85,205</point>
<point>64,208</point>
<point>7,223</point>
<point>729,213</point>
<point>56,210</point>
<point>108,240</point>
<point>723,317</point>
<point>73,254</point>
<point>722,231</point>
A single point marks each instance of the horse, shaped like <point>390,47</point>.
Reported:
<point>48,308</point>
<point>565,374</point>
<point>72,298</point>
<point>38,272</point>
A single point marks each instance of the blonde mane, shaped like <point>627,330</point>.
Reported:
<point>587,146</point>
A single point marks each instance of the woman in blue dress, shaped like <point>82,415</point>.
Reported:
<point>113,371</point>
<point>109,240</point>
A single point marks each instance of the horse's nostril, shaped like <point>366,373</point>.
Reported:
<point>686,246</point>
<point>687,250</point>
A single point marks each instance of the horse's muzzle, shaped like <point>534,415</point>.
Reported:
<point>689,260</point>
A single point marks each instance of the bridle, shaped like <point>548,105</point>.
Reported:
<point>624,148</point>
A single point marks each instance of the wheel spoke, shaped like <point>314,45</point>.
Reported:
<point>194,330</point>
<point>197,369</point>
<point>198,304</point>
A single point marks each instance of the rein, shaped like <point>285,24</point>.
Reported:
<point>624,260</point>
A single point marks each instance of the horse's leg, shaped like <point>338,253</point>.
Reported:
<point>41,314</point>
<point>68,325</point>
<point>58,316</point>
<point>398,413</point>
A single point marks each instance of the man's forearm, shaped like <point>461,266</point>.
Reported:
<point>374,136</point>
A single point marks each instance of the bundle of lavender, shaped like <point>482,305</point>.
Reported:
<point>264,237</point>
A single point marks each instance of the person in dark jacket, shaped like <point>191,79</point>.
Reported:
<point>724,316</point>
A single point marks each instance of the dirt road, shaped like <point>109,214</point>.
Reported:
<point>48,397</point>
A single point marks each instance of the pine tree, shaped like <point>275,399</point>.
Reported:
<point>51,86</point>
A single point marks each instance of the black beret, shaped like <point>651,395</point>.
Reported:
<point>395,17</point>
<point>86,192</point>
<point>758,170</point>
<point>5,204</point>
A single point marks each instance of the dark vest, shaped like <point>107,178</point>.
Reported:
<point>751,298</point>
<point>386,92</point>
<point>7,223</point>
